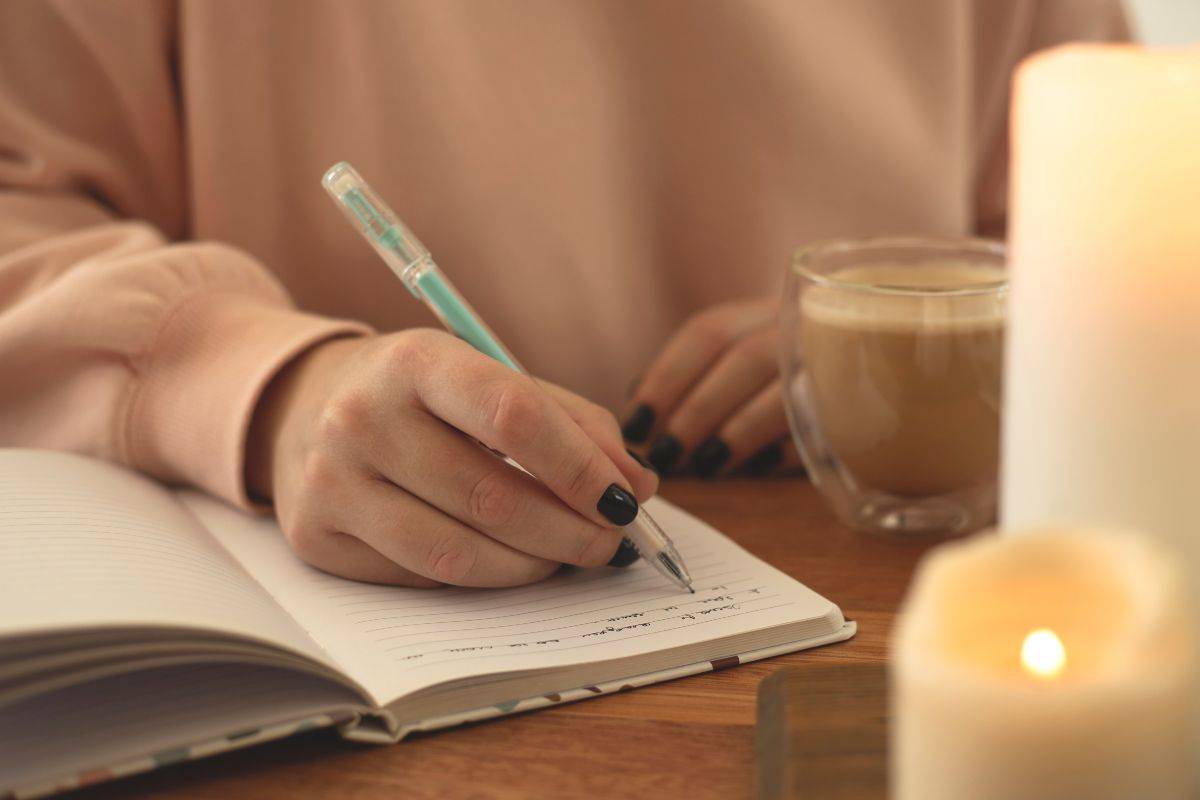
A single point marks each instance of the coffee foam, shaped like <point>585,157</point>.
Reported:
<point>845,306</point>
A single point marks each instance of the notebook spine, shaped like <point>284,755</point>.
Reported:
<point>378,727</point>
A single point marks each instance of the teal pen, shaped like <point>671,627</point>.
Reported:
<point>414,266</point>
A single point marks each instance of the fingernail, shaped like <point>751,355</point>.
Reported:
<point>626,554</point>
<point>639,459</point>
<point>764,460</point>
<point>637,426</point>
<point>664,453</point>
<point>710,457</point>
<point>617,505</point>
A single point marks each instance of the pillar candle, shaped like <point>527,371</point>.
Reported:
<point>1102,377</point>
<point>1058,664</point>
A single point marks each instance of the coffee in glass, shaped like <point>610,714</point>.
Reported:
<point>892,352</point>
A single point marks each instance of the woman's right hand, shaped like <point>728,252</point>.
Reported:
<point>369,449</point>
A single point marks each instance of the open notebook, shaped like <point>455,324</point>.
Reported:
<point>140,627</point>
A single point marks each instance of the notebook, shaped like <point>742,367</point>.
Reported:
<point>141,626</point>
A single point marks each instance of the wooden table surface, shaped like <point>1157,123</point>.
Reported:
<point>692,737</point>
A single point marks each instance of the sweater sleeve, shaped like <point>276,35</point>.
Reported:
<point>118,338</point>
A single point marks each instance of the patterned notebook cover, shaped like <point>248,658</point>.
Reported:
<point>361,730</point>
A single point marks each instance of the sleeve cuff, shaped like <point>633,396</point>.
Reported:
<point>212,359</point>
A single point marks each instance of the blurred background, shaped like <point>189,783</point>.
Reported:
<point>1170,22</point>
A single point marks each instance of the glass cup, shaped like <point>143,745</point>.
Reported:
<point>891,356</point>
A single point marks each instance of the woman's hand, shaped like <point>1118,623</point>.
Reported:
<point>369,448</point>
<point>712,396</point>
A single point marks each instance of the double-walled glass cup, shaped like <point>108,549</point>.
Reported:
<point>892,352</point>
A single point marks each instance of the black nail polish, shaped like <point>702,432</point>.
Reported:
<point>626,554</point>
<point>639,459</point>
<point>637,426</point>
<point>710,457</point>
<point>764,460</point>
<point>664,453</point>
<point>617,505</point>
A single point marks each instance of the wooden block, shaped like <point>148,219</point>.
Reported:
<point>822,733</point>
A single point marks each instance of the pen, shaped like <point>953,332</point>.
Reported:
<point>414,266</point>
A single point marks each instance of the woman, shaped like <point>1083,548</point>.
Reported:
<point>600,178</point>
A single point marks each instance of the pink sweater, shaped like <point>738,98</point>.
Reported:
<point>590,172</point>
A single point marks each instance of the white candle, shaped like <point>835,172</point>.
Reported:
<point>1054,665</point>
<point>1102,379</point>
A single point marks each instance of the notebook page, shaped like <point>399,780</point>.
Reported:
<point>84,543</point>
<point>395,641</point>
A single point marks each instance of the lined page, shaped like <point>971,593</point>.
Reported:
<point>84,544</point>
<point>395,641</point>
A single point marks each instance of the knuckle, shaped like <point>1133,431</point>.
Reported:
<point>598,424</point>
<point>596,549</point>
<point>320,471</point>
<point>346,416</point>
<point>495,502</point>
<point>581,474</point>
<point>709,328</point>
<point>409,350</point>
<point>306,541</point>
<point>601,419</point>
<point>514,411</point>
<point>450,559</point>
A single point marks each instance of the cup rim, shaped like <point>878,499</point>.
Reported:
<point>989,247</point>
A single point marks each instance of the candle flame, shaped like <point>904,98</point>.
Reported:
<point>1043,654</point>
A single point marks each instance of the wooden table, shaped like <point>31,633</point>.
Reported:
<point>692,737</point>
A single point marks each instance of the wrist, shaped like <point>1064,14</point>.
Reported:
<point>280,407</point>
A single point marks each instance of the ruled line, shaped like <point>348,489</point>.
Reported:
<point>593,621</point>
<point>539,609</point>
<point>510,653</point>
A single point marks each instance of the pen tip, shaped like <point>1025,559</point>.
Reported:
<point>690,589</point>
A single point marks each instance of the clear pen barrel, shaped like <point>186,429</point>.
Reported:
<point>396,244</point>
<point>656,547</point>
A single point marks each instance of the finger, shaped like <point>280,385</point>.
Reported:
<point>735,378</point>
<point>450,472</point>
<point>309,529</point>
<point>347,557</point>
<point>510,413</point>
<point>603,429</point>
<point>765,461</point>
<point>792,464</point>
<point>686,357</point>
<point>762,421</point>
<point>425,541</point>
<point>777,458</point>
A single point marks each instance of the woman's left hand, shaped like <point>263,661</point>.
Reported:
<point>710,402</point>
